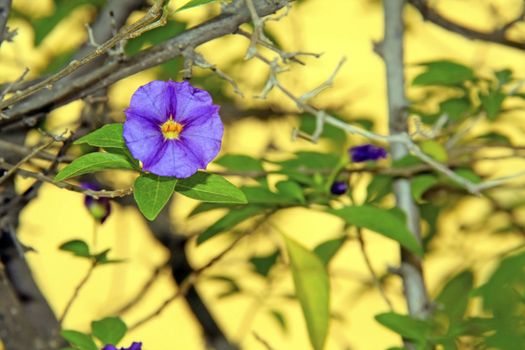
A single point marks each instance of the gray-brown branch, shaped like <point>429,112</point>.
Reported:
<point>62,93</point>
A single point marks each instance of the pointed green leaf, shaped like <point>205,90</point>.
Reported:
<point>109,330</point>
<point>405,326</point>
<point>109,135</point>
<point>77,247</point>
<point>492,102</point>
<point>444,72</point>
<point>280,319</point>
<point>152,192</point>
<point>312,288</point>
<point>262,195</point>
<point>382,221</point>
<point>92,162</point>
<point>291,189</point>
<point>229,221</point>
<point>453,298</point>
<point>210,188</point>
<point>378,188</point>
<point>327,250</point>
<point>420,184</point>
<point>244,163</point>
<point>78,339</point>
<point>262,264</point>
<point>194,3</point>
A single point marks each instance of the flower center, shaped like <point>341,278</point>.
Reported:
<point>171,129</point>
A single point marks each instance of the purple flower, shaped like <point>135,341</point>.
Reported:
<point>366,152</point>
<point>339,187</point>
<point>98,208</point>
<point>173,128</point>
<point>134,346</point>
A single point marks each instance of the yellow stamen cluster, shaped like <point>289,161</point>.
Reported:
<point>171,129</point>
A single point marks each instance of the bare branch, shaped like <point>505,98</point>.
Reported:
<point>497,36</point>
<point>153,18</point>
<point>85,85</point>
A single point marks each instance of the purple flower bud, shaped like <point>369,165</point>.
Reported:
<point>134,346</point>
<point>339,187</point>
<point>109,347</point>
<point>98,208</point>
<point>366,152</point>
<point>173,128</point>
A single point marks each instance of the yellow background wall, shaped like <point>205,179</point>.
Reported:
<point>337,28</point>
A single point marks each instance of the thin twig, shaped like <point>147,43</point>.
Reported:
<point>262,341</point>
<point>193,277</point>
<point>68,186</point>
<point>145,288</point>
<point>13,169</point>
<point>375,278</point>
<point>81,284</point>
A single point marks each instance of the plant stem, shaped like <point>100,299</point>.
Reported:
<point>76,292</point>
<point>391,50</point>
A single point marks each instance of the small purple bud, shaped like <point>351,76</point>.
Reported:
<point>366,152</point>
<point>339,187</point>
<point>98,208</point>
<point>134,346</point>
<point>109,347</point>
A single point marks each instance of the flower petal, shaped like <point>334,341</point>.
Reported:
<point>144,139</point>
<point>174,159</point>
<point>204,139</point>
<point>155,101</point>
<point>192,103</point>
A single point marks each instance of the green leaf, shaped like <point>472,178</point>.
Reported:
<point>232,287</point>
<point>280,319</point>
<point>262,195</point>
<point>210,188</point>
<point>456,108</point>
<point>92,162</point>
<point>443,72</point>
<point>110,135</point>
<point>312,161</point>
<point>382,221</point>
<point>262,264</point>
<point>102,258</point>
<point>77,247</point>
<point>194,3</point>
<point>291,189</point>
<point>378,188</point>
<point>492,102</point>
<point>244,163</point>
<point>435,150</point>
<point>327,250</point>
<point>152,192</point>
<point>312,288</point>
<point>228,221</point>
<point>468,174</point>
<point>109,330</point>
<point>78,339</point>
<point>495,137</point>
<point>504,76</point>
<point>203,207</point>
<point>405,326</point>
<point>240,162</point>
<point>421,183</point>
<point>453,298</point>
